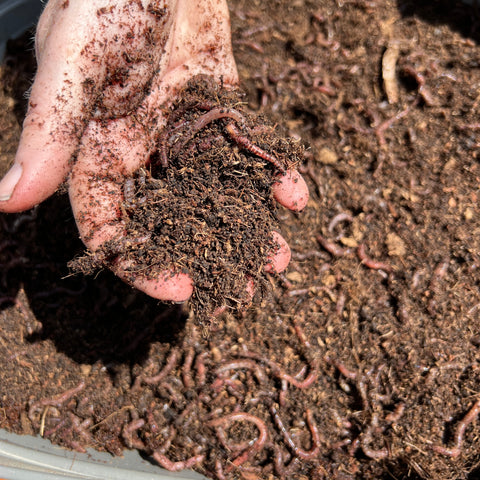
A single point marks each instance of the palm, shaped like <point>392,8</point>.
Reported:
<point>105,70</point>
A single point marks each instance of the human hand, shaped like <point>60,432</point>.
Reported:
<point>105,67</point>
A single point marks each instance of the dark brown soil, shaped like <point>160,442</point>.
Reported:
<point>363,363</point>
<point>201,206</point>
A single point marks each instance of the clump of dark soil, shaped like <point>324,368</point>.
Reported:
<point>363,362</point>
<point>203,204</point>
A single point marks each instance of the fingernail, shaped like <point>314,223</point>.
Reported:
<point>9,182</point>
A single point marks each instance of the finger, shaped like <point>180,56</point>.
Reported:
<point>200,44</point>
<point>94,57</point>
<point>279,261</point>
<point>167,286</point>
<point>291,191</point>
<point>108,153</point>
<point>54,120</point>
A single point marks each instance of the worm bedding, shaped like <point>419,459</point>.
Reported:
<point>362,361</point>
<point>203,204</point>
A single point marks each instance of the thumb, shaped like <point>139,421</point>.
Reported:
<point>56,115</point>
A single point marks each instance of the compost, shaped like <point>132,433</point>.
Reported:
<point>202,206</point>
<point>362,363</point>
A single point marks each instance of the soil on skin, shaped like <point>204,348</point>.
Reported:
<point>201,206</point>
<point>363,363</point>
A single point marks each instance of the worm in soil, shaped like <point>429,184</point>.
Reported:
<point>297,451</point>
<point>280,373</point>
<point>367,438</point>
<point>235,134</point>
<point>57,401</point>
<point>455,451</point>
<point>370,263</point>
<point>257,446</point>
<point>171,363</point>
<point>331,247</point>
<point>202,121</point>
<point>129,430</point>
<point>244,364</point>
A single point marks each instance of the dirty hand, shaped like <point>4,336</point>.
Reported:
<point>105,67</point>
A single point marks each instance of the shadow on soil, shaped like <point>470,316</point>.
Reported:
<point>89,319</point>
<point>461,17</point>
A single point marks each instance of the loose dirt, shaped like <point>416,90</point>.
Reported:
<point>201,206</point>
<point>362,361</point>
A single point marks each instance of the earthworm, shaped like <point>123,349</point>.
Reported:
<point>152,422</point>
<point>301,334</point>
<point>169,366</point>
<point>385,125</point>
<point>202,121</point>
<point>172,394</point>
<point>280,469</point>
<point>340,305</point>
<point>259,442</point>
<point>299,452</point>
<point>469,126</point>
<point>309,254</point>
<point>305,291</point>
<point>253,45</point>
<point>439,272</point>
<point>238,447</point>
<point>366,440</point>
<point>459,433</point>
<point>51,431</point>
<point>300,292</point>
<point>351,375</point>
<point>341,217</point>
<point>187,369</point>
<point>286,283</point>
<point>166,463</point>
<point>128,431</point>
<point>422,88</point>
<point>57,401</point>
<point>81,427</point>
<point>340,421</point>
<point>244,364</point>
<point>185,418</point>
<point>201,369</point>
<point>283,393</point>
<point>370,263</point>
<point>397,413</point>
<point>331,247</point>
<point>246,143</point>
<point>279,372</point>
<point>219,470</point>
